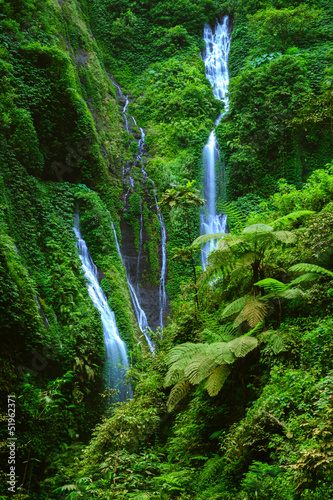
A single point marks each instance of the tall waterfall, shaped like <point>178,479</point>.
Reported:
<point>130,182</point>
<point>115,349</point>
<point>216,66</point>
<point>139,312</point>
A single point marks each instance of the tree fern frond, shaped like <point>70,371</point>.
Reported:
<point>291,217</point>
<point>243,345</point>
<point>176,371</point>
<point>271,284</point>
<point>274,339</point>
<point>178,392</point>
<point>200,368</point>
<point>305,277</point>
<point>254,311</point>
<point>257,228</point>
<point>227,332</point>
<point>240,318</point>
<point>292,293</point>
<point>285,236</point>
<point>221,353</point>
<point>216,380</point>
<point>234,307</point>
<point>256,330</point>
<point>211,470</point>
<point>186,350</point>
<point>310,268</point>
<point>201,240</point>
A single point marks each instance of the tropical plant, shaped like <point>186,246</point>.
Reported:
<point>189,364</point>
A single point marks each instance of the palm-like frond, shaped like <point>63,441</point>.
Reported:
<point>310,268</point>
<point>271,284</point>
<point>176,371</point>
<point>200,368</point>
<point>304,277</point>
<point>201,240</point>
<point>236,216</point>
<point>291,293</point>
<point>233,308</point>
<point>243,345</point>
<point>221,353</point>
<point>254,311</point>
<point>285,236</point>
<point>258,228</point>
<point>216,380</point>
<point>291,217</point>
<point>178,392</point>
<point>184,351</point>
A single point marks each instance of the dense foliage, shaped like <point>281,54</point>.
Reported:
<point>236,402</point>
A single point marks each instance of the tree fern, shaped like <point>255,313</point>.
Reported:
<point>200,368</point>
<point>216,380</point>
<point>178,392</point>
<point>275,339</point>
<point>310,268</point>
<point>285,236</point>
<point>305,277</point>
<point>184,351</point>
<point>176,371</point>
<point>233,308</point>
<point>237,217</point>
<point>258,228</point>
<point>243,345</point>
<point>201,240</point>
<point>271,284</point>
<point>291,217</point>
<point>221,353</point>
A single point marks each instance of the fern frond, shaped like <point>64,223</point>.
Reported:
<point>201,240</point>
<point>242,346</point>
<point>200,368</point>
<point>176,371</point>
<point>221,353</point>
<point>216,380</point>
<point>178,392</point>
<point>186,350</point>
<point>271,284</point>
<point>257,228</point>
<point>274,339</point>
<point>285,236</point>
<point>234,307</point>
<point>211,470</point>
<point>291,217</point>
<point>236,216</point>
<point>310,268</point>
<point>254,311</point>
<point>292,293</point>
<point>305,277</point>
<point>256,330</point>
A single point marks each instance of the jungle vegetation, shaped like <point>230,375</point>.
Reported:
<point>237,401</point>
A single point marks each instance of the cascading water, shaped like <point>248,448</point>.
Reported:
<point>115,349</point>
<point>139,312</point>
<point>130,182</point>
<point>216,66</point>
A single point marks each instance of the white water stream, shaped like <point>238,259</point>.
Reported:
<point>115,349</point>
<point>140,314</point>
<point>216,66</point>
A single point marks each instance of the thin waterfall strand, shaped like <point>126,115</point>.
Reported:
<point>216,67</point>
<point>139,312</point>
<point>115,349</point>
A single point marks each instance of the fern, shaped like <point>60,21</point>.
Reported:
<point>178,392</point>
<point>216,380</point>
<point>221,353</point>
<point>285,236</point>
<point>200,368</point>
<point>243,345</point>
<point>186,350</point>
<point>291,217</point>
<point>234,307</point>
<point>175,372</point>
<point>271,284</point>
<point>237,217</point>
<point>201,240</point>
<point>257,228</point>
<point>305,277</point>
<point>310,268</point>
<point>274,339</point>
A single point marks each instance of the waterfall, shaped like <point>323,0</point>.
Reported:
<point>128,180</point>
<point>139,312</point>
<point>216,67</point>
<point>115,349</point>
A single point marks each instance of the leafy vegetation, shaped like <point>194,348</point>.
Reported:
<point>236,402</point>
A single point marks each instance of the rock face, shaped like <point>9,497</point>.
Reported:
<point>138,267</point>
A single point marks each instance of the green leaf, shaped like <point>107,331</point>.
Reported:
<point>243,345</point>
<point>178,392</point>
<point>258,228</point>
<point>216,379</point>
<point>233,308</point>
